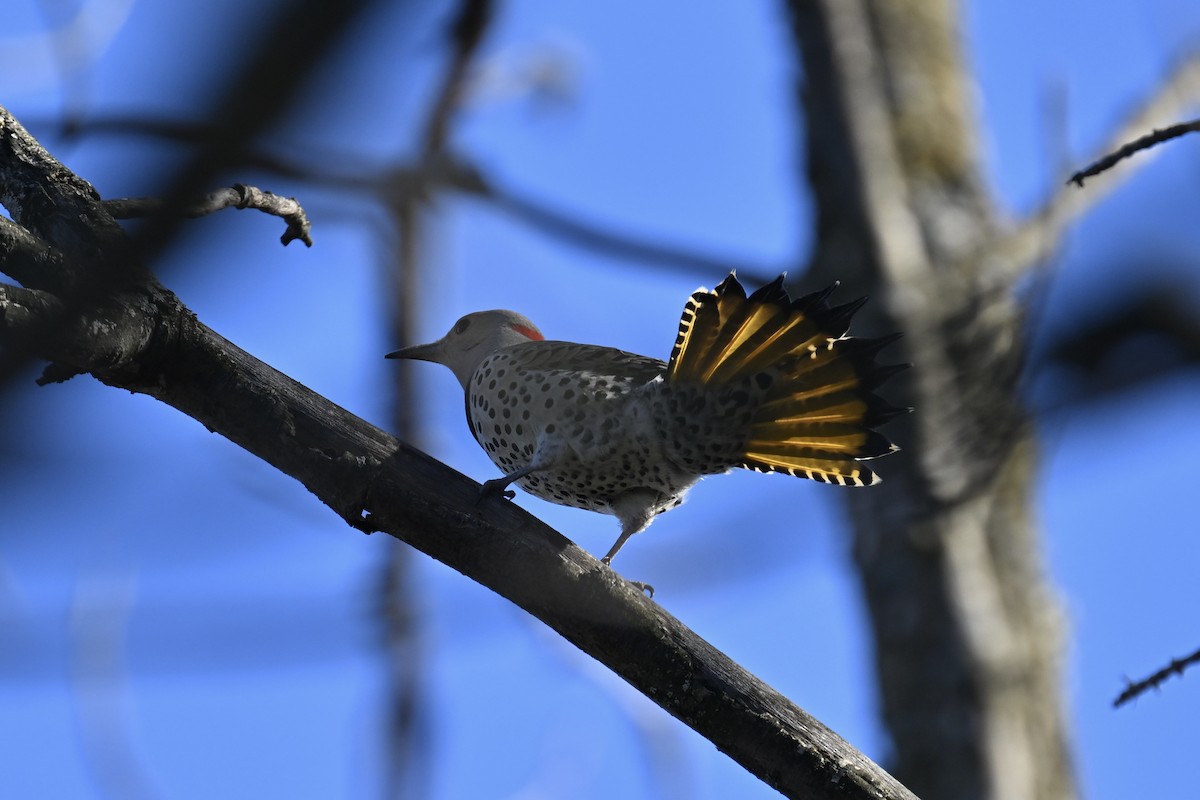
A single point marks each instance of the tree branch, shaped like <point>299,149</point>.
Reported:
<point>405,669</point>
<point>1156,137</point>
<point>620,245</point>
<point>1136,688</point>
<point>25,256</point>
<point>375,482</point>
<point>238,196</point>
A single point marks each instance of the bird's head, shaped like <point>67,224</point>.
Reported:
<point>472,339</point>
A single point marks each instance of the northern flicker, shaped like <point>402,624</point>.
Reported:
<point>762,382</point>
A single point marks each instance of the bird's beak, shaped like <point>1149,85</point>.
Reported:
<point>420,352</point>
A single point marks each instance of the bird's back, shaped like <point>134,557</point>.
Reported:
<point>591,407</point>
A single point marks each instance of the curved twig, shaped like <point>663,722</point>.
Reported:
<point>237,196</point>
<point>1158,136</point>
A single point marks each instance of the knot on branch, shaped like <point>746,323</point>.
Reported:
<point>287,208</point>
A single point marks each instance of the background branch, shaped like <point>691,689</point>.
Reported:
<point>966,639</point>
<point>441,170</point>
<point>1137,688</point>
<point>1156,137</point>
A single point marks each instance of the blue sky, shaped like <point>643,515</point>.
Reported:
<point>178,616</point>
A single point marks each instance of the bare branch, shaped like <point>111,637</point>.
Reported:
<point>268,80</point>
<point>238,196</point>
<point>1158,136</point>
<point>446,171</point>
<point>1136,688</point>
<point>1022,245</point>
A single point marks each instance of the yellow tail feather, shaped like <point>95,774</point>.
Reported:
<point>812,385</point>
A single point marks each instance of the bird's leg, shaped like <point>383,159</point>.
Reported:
<point>635,509</point>
<point>621,540</point>
<point>544,456</point>
<point>624,537</point>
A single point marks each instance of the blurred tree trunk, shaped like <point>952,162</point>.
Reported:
<point>967,633</point>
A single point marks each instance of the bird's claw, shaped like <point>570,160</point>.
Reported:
<point>494,487</point>
<point>644,588</point>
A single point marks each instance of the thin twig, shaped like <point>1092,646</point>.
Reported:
<point>237,196</point>
<point>1021,245</point>
<point>1136,688</point>
<point>1159,136</point>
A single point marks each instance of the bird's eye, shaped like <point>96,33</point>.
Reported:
<point>462,325</point>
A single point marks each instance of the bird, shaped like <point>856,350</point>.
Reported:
<point>760,382</point>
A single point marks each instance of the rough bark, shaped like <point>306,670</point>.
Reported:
<point>967,632</point>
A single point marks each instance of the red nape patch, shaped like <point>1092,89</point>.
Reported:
<point>529,333</point>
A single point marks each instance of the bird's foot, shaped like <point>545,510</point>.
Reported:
<point>494,487</point>
<point>644,588</point>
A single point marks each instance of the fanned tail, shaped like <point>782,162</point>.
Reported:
<point>817,410</point>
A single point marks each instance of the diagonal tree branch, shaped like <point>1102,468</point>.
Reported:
<point>1136,688</point>
<point>375,482</point>
<point>1152,139</point>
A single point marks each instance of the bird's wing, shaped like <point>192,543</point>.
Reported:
<point>552,355</point>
